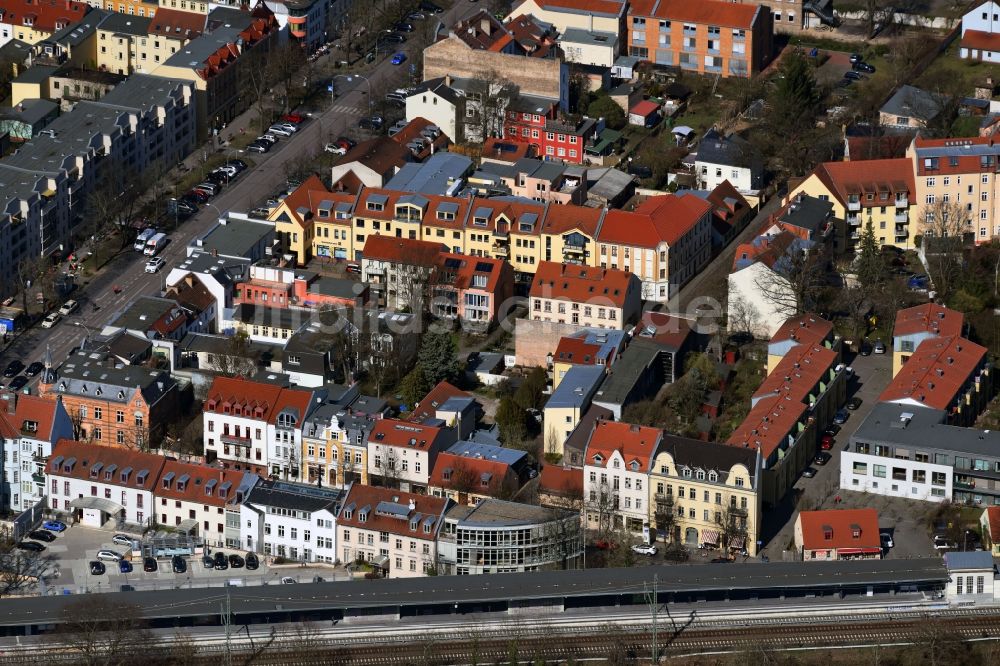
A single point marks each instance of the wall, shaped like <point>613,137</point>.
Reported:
<point>908,489</point>
<point>535,340</point>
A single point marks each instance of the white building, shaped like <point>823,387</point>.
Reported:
<point>193,498</point>
<point>758,300</point>
<point>439,103</point>
<point>97,484</point>
<point>403,454</point>
<point>616,470</point>
<point>981,33</point>
<point>588,47</point>
<point>291,520</point>
<point>394,531</point>
<point>721,158</point>
<point>29,428</point>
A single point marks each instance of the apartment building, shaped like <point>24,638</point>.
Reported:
<point>550,135</point>
<point>545,182</point>
<point>32,21</point>
<point>127,44</point>
<point>919,323</point>
<point>617,463</point>
<point>394,531</point>
<point>839,534</point>
<point>599,347</point>
<point>95,484</point>
<point>665,241</point>
<point>590,297</point>
<point>980,28</point>
<point>308,219</point>
<point>400,271</point>
<point>958,176</point>
<point>193,499</point>
<point>708,37</point>
<point>706,495</point>
<point>469,473</point>
<point>477,291</point>
<point>568,404</point>
<point>496,536</point>
<point>805,329</point>
<point>127,407</point>
<point>880,192</point>
<point>589,15</point>
<point>29,428</point>
<point>307,21</point>
<point>291,520</point>
<point>403,454</point>
<point>254,426</point>
<point>130,7</point>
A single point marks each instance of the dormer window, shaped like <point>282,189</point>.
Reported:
<point>372,205</point>
<point>182,482</point>
<point>635,466</point>
<point>427,527</point>
<point>445,215</point>
<point>856,531</point>
<point>168,480</point>
<point>827,532</point>
<point>140,479</point>
<point>713,477</point>
<point>598,460</point>
<point>686,474</point>
<point>363,516</point>
<point>348,513</point>
<point>701,475</point>
<point>211,404</point>
<point>121,395</point>
<point>616,464</point>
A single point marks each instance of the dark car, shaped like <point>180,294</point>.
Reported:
<point>196,196</point>
<point>42,535</point>
<point>17,383</point>
<point>252,562</point>
<point>236,562</point>
<point>124,566</point>
<point>821,458</point>
<point>207,561</point>
<point>33,546</point>
<point>97,568</point>
<point>866,349</point>
<point>430,8</point>
<point>392,38</point>
<point>259,147</point>
<point>218,177</point>
<point>13,368</point>
<point>863,67</point>
<point>373,123</point>
<point>220,562</point>
<point>345,142</point>
<point>856,57</point>
<point>832,430</point>
<point>179,564</point>
<point>721,560</point>
<point>403,27</point>
<point>34,368</point>
<point>853,403</point>
<point>149,564</point>
<point>826,443</point>
<point>853,76</point>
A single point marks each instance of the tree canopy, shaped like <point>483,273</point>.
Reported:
<point>438,357</point>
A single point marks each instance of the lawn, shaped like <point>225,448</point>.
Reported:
<point>948,66</point>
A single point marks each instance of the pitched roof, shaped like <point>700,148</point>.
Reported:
<point>667,330</point>
<point>300,202</point>
<point>436,397</point>
<point>393,511</point>
<point>575,351</point>
<point>868,177</point>
<point>198,483</point>
<point>636,444</point>
<point>381,154</point>
<point>840,525</point>
<point>981,40</point>
<point>662,219</point>
<point>928,318</point>
<point>936,372</point>
<point>912,102</point>
<point>580,284</point>
<point>565,219</point>
<point>238,396</point>
<point>708,12</point>
<point>806,328</point>
<point>645,108</point>
<point>176,24</point>
<point>404,434</point>
<point>767,249</point>
<point>28,408</point>
<point>44,14</point>
<point>83,460</point>
<point>696,454</point>
<point>993,523</point>
<point>561,480</point>
<point>599,7</point>
<point>469,474</point>
<point>403,250</point>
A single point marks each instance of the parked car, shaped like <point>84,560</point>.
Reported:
<point>69,307</point>
<point>154,264</point>
<point>335,149</point>
<point>13,368</point>
<point>54,526</point>
<point>430,8</point>
<point>97,568</point>
<point>252,562</point>
<point>34,368</point>
<point>236,562</point>
<point>720,560</point>
<point>878,347</point>
<point>887,541</point>
<point>403,27</point>
<point>197,196</point>
<point>122,540</point>
<point>290,127</point>
<point>51,320</point>
<point>821,458</point>
<point>392,38</point>
<point>416,16</point>
<point>239,164</point>
<point>345,142</point>
<point>221,563</point>
<point>941,543</point>
<point>866,349</point>
<point>644,549</point>
<point>149,564</point>
<point>353,267</point>
<point>372,123</point>
<point>259,147</point>
<point>124,566</point>
<point>840,418</point>
<point>33,546</point>
<point>826,443</point>
<point>109,555</point>
<point>856,57</point>
<point>18,383</point>
<point>42,535</point>
<point>280,131</point>
<point>268,138</point>
<point>178,564</point>
<point>863,67</point>
<point>398,58</point>
<point>293,118</point>
<point>851,75</point>
<point>207,561</point>
<point>809,472</point>
<point>288,580</point>
<point>854,403</point>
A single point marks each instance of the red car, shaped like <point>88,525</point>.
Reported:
<point>293,118</point>
<point>827,443</point>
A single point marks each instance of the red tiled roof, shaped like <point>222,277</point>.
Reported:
<point>929,318</point>
<point>412,131</point>
<point>565,481</point>
<point>728,202</point>
<point>634,443</point>
<point>474,475</point>
<point>764,249</point>
<point>533,38</point>
<point>255,400</point>
<point>580,284</point>
<point>300,197</point>
<point>575,351</point>
<point>564,219</point>
<point>202,484</point>
<point>868,177</point>
<point>936,372</point>
<point>40,411</point>
<point>662,219</point>
<point>665,329</point>
<point>840,525</point>
<point>44,13</point>
<point>963,163</point>
<point>981,40</point>
<point>381,154</point>
<point>436,397</point>
<point>361,498</point>
<point>645,108</point>
<point>506,150</point>
<point>993,522</point>
<point>460,276</point>
<point>806,328</point>
<point>403,250</point>
<point>87,455</point>
<point>705,12</point>
<point>892,146</point>
<point>394,432</point>
<point>177,24</point>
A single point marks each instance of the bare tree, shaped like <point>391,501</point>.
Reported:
<point>733,524</point>
<point>487,98</point>
<point>944,225</point>
<point>102,631</point>
<point>877,14</point>
<point>33,277</point>
<point>744,317</point>
<point>793,286</point>
<point>284,65</point>
<point>19,569</point>
<point>239,359</point>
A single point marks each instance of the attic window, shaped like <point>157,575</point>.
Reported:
<point>348,513</point>
<point>140,478</point>
<point>124,475</point>
<point>445,215</point>
<point>635,466</point>
<point>121,395</point>
<point>371,205</point>
<point>30,426</point>
<point>413,524</point>
<point>712,476</point>
<point>827,532</point>
<point>701,475</point>
<point>211,404</point>
<point>363,516</point>
<point>856,531</point>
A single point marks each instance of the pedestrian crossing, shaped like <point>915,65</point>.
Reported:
<point>344,109</point>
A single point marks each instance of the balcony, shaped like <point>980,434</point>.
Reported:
<point>902,218</point>
<point>854,205</point>
<point>234,440</point>
<point>964,485</point>
<point>902,202</point>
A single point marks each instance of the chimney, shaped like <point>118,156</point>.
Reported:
<point>413,505</point>
<point>11,398</point>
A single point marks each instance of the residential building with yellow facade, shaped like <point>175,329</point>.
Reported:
<point>128,44</point>
<point>705,494</point>
<point>916,324</point>
<point>335,443</point>
<point>143,8</point>
<point>879,192</point>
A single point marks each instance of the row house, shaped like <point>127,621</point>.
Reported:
<point>877,192</point>
<point>616,468</point>
<point>919,323</point>
<point>805,329</point>
<point>392,530</point>
<point>250,425</point>
<point>706,495</point>
<point>402,453</point>
<point>400,270</point>
<point>708,37</point>
<point>474,290</point>
<point>129,44</point>
<point>194,499</point>
<point>335,445</point>
<point>469,472</point>
<point>290,520</point>
<point>598,347</point>
<point>129,7</point>
<point>128,407</point>
<point>29,428</point>
<point>551,137</point>
<point>839,534</point>
<point>310,222</point>
<point>585,296</point>
<point>31,21</point>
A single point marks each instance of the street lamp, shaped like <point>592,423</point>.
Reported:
<point>221,216</point>
<point>89,334</point>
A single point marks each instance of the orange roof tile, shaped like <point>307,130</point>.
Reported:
<point>85,456</point>
<point>981,40</point>
<point>467,474</point>
<point>394,432</point>
<point>46,15</point>
<point>388,510</point>
<point>936,372</point>
<point>561,480</point>
<point>459,269</point>
<point>993,522</point>
<point>636,444</point>
<point>176,24</point>
<point>605,7</point>
<point>40,411</point>
<point>840,525</point>
<point>662,219</point>
<point>403,250</point>
<point>928,318</point>
<point>564,219</point>
<point>705,12</point>
<point>436,397</point>
<point>238,396</point>
<point>201,484</point>
<point>868,177</point>
<point>575,351</point>
<point>807,328</point>
<point>580,284</point>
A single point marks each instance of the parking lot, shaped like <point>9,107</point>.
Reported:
<point>68,560</point>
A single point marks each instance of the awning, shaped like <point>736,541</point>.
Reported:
<point>683,130</point>
<point>188,525</point>
<point>100,503</point>
<point>737,542</point>
<point>710,537</point>
<point>858,551</point>
<point>382,562</point>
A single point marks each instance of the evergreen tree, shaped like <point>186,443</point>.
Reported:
<point>414,386</point>
<point>796,97</point>
<point>530,393</point>
<point>870,267</point>
<point>438,357</point>
<point>512,422</point>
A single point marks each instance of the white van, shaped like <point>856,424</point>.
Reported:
<point>142,239</point>
<point>155,244</point>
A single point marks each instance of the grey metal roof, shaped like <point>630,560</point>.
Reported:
<point>89,375</point>
<point>434,176</point>
<point>141,313</point>
<point>15,51</point>
<point>732,150</point>
<point>627,371</point>
<point>36,74</point>
<point>808,213</point>
<point>920,428</point>
<point>478,450</point>
<point>448,207</point>
<point>698,455</point>
<point>913,102</point>
<point>498,513</point>
<point>959,561</point>
<point>30,111</point>
<point>142,91</point>
<point>75,33</point>
<point>235,238</point>
<point>296,496</point>
<point>611,185</point>
<point>126,24</point>
<point>439,88</point>
<point>959,148</point>
<point>197,51</point>
<point>592,37</point>
<point>577,386</point>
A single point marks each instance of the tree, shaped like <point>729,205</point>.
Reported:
<point>438,357</point>
<point>510,418</point>
<point>487,97</point>
<point>732,523</point>
<point>794,284</point>
<point>877,13</point>
<point>744,317</point>
<point>104,631</point>
<point>19,569</point>
<point>33,277</point>
<point>943,226</point>
<point>871,270</point>
<point>239,359</point>
<point>414,386</point>
<point>607,108</point>
<point>531,393</point>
